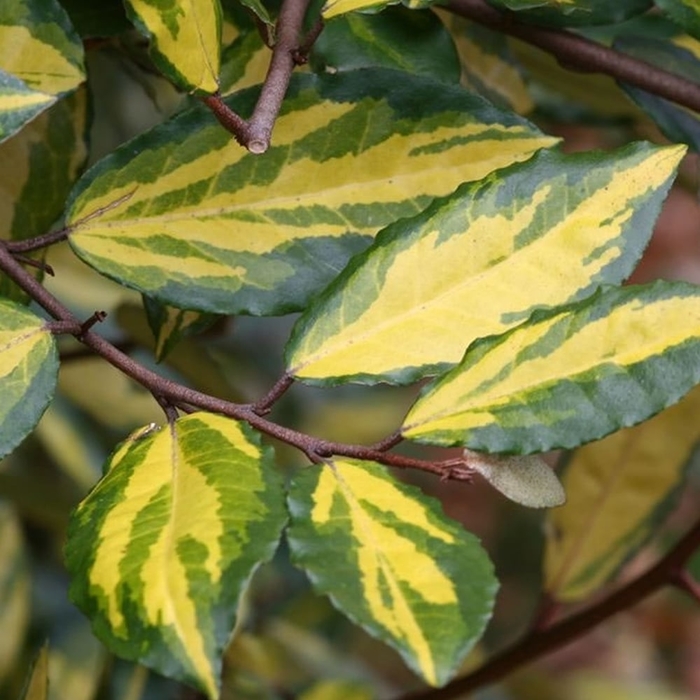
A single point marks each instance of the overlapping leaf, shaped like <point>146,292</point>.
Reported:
<point>685,12</point>
<point>620,489</point>
<point>392,562</point>
<point>170,325</point>
<point>416,42</point>
<point>41,57</point>
<point>677,123</point>
<point>37,685</point>
<point>568,376</point>
<point>186,36</point>
<point>334,8</point>
<point>487,63</point>
<point>46,159</point>
<point>28,372</point>
<point>563,13</point>
<point>188,217</point>
<point>480,261</point>
<point>162,548</point>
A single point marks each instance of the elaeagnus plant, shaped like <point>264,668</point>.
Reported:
<point>387,183</point>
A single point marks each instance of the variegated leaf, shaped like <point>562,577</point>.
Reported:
<point>563,13</point>
<point>186,36</point>
<point>162,548</point>
<point>569,375</point>
<point>480,261</point>
<point>41,57</point>
<point>169,325</point>
<point>186,216</point>
<point>333,8</point>
<point>487,63</point>
<point>620,490</point>
<point>51,149</point>
<point>390,560</point>
<point>28,372</point>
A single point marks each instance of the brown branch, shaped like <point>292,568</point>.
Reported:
<point>574,51</point>
<point>255,133</point>
<point>178,395</point>
<point>538,643</point>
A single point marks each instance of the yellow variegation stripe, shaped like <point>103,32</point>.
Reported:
<point>430,294</point>
<point>170,546</point>
<point>187,36</point>
<point>203,218</point>
<point>11,100</point>
<point>333,8</point>
<point>483,67</point>
<point>566,348</point>
<point>620,489</point>
<point>40,65</point>
<point>395,584</point>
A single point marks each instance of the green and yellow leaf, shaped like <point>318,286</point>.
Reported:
<point>334,8</point>
<point>564,13</point>
<point>487,64</point>
<point>28,372</point>
<point>169,325</point>
<point>47,157</point>
<point>41,58</point>
<point>186,36</point>
<point>569,375</point>
<point>620,490</point>
<point>162,549</point>
<point>525,479</point>
<point>480,261</point>
<point>391,561</point>
<point>186,216</point>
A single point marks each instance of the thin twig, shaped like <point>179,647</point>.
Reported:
<point>287,36</point>
<point>37,242</point>
<point>179,395</point>
<point>275,394</point>
<point>537,644</point>
<point>255,133</point>
<point>575,51</point>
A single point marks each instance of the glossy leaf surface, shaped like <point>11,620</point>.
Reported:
<point>28,372</point>
<point>162,548</point>
<point>186,36</point>
<point>390,560</point>
<point>41,58</point>
<point>218,229</point>
<point>568,376</point>
<point>416,42</point>
<point>620,490</point>
<point>480,261</point>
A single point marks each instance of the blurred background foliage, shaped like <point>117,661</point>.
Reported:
<point>291,643</point>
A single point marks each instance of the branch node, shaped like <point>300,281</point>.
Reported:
<point>168,407</point>
<point>97,317</point>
